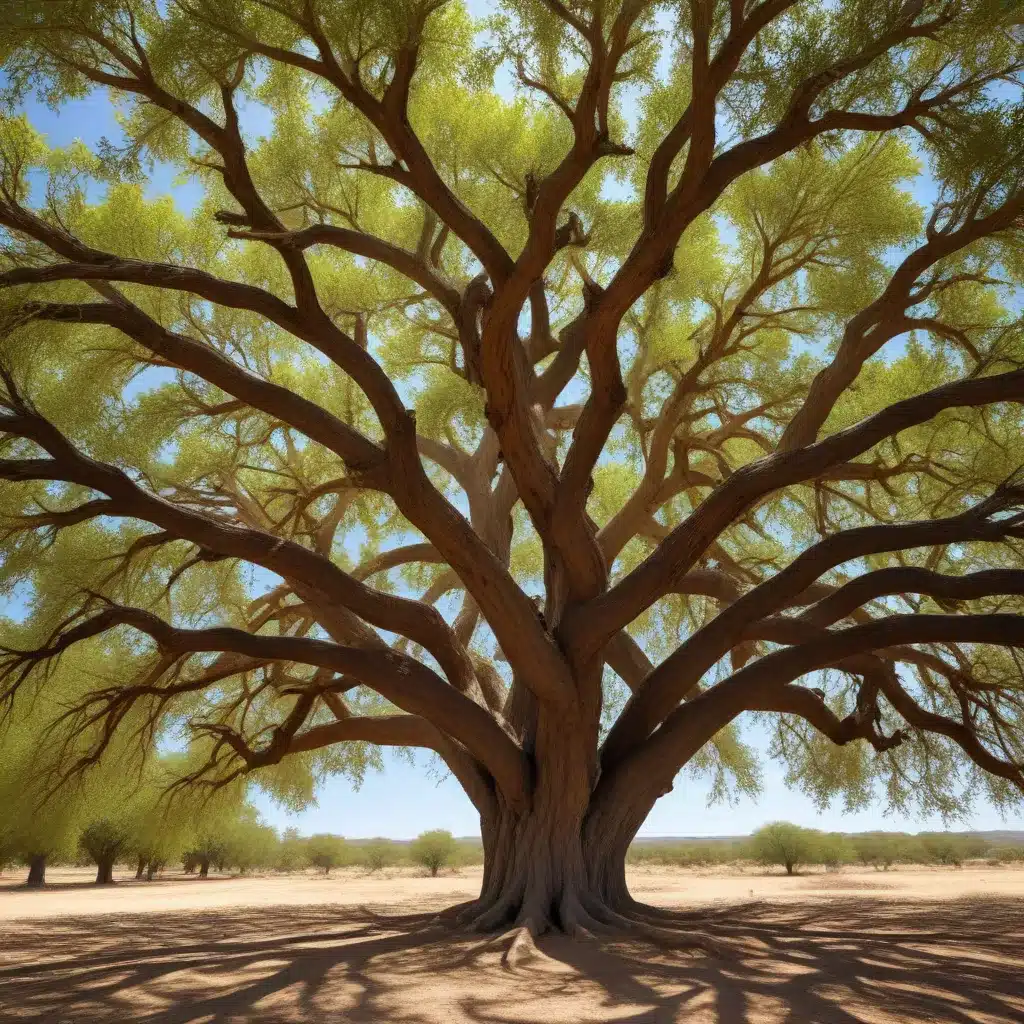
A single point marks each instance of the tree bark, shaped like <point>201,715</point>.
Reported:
<point>151,870</point>
<point>204,867</point>
<point>105,872</point>
<point>140,869</point>
<point>542,868</point>
<point>37,870</point>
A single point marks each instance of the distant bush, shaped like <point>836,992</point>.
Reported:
<point>880,850</point>
<point>248,845</point>
<point>326,851</point>
<point>781,843</point>
<point>683,855</point>
<point>379,854</point>
<point>433,850</point>
<point>292,851</point>
<point>949,849</point>
<point>832,850</point>
<point>468,853</point>
<point>1006,854</point>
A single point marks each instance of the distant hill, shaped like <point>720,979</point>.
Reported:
<point>996,836</point>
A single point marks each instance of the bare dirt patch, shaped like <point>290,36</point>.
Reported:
<point>937,946</point>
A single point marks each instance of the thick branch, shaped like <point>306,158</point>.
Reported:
<point>400,679</point>
<point>599,619</point>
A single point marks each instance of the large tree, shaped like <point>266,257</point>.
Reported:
<point>544,391</point>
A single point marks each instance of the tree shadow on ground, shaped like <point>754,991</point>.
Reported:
<point>830,961</point>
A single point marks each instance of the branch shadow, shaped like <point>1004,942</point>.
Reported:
<point>827,961</point>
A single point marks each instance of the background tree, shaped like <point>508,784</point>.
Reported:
<point>248,844</point>
<point>326,852</point>
<point>293,852</point>
<point>433,850</point>
<point>208,849</point>
<point>159,830</point>
<point>550,427</point>
<point>43,818</point>
<point>882,849</point>
<point>832,850</point>
<point>379,854</point>
<point>780,842</point>
<point>103,841</point>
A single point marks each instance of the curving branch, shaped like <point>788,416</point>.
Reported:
<point>687,542</point>
<point>676,676</point>
<point>402,680</point>
<point>421,624</point>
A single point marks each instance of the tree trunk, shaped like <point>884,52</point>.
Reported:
<point>561,864</point>
<point>151,870</point>
<point>535,865</point>
<point>204,867</point>
<point>140,869</point>
<point>789,868</point>
<point>105,872</point>
<point>37,870</point>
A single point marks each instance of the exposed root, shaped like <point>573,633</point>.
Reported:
<point>670,938</point>
<point>522,946</point>
<point>577,922</point>
<point>457,915</point>
<point>489,919</point>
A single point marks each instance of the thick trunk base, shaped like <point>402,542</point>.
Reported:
<point>105,873</point>
<point>36,871</point>
<point>535,884</point>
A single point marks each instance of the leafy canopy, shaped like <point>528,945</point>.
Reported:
<point>485,377</point>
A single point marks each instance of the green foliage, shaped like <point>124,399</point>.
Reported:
<point>779,842</point>
<point>326,851</point>
<point>883,849</point>
<point>247,844</point>
<point>761,289</point>
<point>951,850</point>
<point>103,841</point>
<point>292,852</point>
<point>685,855</point>
<point>433,850</point>
<point>379,854</point>
<point>468,853</point>
<point>833,850</point>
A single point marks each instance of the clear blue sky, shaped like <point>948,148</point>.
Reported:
<point>405,800</point>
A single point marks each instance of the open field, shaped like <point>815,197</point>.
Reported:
<point>907,945</point>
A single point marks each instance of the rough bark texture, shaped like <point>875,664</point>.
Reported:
<point>105,872</point>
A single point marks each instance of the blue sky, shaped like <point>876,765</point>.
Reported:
<point>407,799</point>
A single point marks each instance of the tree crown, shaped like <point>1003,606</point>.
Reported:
<point>595,364</point>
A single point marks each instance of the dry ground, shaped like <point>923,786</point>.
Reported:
<point>909,945</point>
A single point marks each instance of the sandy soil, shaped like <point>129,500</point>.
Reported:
<point>871,947</point>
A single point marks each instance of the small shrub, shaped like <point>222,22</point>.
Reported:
<point>783,843</point>
<point>433,850</point>
<point>379,854</point>
<point>325,852</point>
<point>833,850</point>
